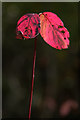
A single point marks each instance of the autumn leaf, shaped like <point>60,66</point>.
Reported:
<point>28,26</point>
<point>53,31</point>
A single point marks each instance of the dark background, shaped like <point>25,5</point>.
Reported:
<point>56,85</point>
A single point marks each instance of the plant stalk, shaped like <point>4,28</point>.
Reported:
<point>33,74</point>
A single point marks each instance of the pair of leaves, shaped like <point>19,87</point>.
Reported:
<point>48,24</point>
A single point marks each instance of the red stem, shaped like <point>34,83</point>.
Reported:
<point>33,72</point>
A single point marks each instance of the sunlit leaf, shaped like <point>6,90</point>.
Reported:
<point>53,31</point>
<point>28,26</point>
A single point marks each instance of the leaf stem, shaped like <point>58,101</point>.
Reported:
<point>33,73</point>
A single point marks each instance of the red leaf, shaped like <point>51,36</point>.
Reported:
<point>53,30</point>
<point>28,26</point>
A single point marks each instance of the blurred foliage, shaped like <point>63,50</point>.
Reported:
<point>56,74</point>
